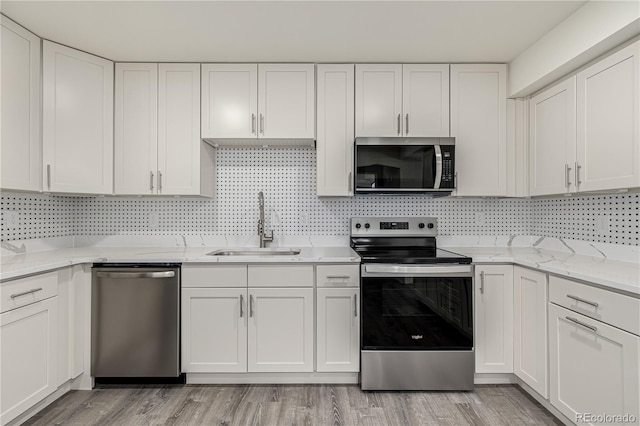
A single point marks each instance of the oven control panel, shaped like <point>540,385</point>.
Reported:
<point>394,226</point>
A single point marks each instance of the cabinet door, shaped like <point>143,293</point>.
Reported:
<point>280,330</point>
<point>425,100</point>
<point>77,121</point>
<point>334,148</point>
<point>378,100</point>
<point>214,330</point>
<point>493,292</point>
<point>286,101</point>
<point>179,129</point>
<point>21,147</point>
<point>29,356</point>
<point>478,122</point>
<point>609,122</point>
<point>229,101</point>
<point>593,367</point>
<point>530,328</point>
<point>338,329</point>
<point>552,139</point>
<point>136,129</point>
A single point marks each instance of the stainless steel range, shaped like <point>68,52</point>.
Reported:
<point>417,317</point>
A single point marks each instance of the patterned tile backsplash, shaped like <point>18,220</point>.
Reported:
<point>287,178</point>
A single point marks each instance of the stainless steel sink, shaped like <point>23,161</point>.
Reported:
<point>256,252</point>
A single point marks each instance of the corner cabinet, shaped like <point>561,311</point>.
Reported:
<point>530,328</point>
<point>158,149</point>
<point>77,121</point>
<point>266,101</point>
<point>478,122</point>
<point>493,294</point>
<point>21,145</point>
<point>402,100</point>
<point>335,121</point>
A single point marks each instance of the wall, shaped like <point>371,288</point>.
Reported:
<point>287,178</point>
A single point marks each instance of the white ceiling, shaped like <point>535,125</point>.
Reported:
<point>294,31</point>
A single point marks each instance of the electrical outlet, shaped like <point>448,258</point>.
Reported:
<point>480,220</point>
<point>275,219</point>
<point>304,218</point>
<point>11,218</point>
<point>602,224</point>
<point>154,220</point>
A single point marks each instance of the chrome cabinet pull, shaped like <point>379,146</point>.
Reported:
<point>575,321</point>
<point>350,181</point>
<point>253,124</point>
<point>355,305</point>
<point>578,181</point>
<point>24,293</point>
<point>159,181</point>
<point>399,124</point>
<point>406,127</point>
<point>481,282</point>
<point>151,181</point>
<point>335,277</point>
<point>49,176</point>
<point>567,171</point>
<point>261,124</point>
<point>579,299</point>
<point>251,305</point>
<point>241,303</point>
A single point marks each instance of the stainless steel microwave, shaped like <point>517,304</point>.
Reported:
<point>405,165</point>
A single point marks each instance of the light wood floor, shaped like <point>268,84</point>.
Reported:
<point>291,405</point>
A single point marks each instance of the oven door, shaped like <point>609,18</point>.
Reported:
<point>406,307</point>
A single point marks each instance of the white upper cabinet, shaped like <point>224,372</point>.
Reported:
<point>425,99</point>
<point>229,100</point>
<point>402,100</point>
<point>248,101</point>
<point>608,130</point>
<point>478,122</point>
<point>77,121</point>
<point>378,100</point>
<point>552,139</point>
<point>21,146</point>
<point>334,147</point>
<point>136,128</point>
<point>185,163</point>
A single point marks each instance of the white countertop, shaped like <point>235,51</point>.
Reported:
<point>613,274</point>
<point>15,266</point>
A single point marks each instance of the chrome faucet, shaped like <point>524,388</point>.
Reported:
<point>263,238</point>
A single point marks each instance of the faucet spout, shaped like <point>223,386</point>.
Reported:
<point>264,238</point>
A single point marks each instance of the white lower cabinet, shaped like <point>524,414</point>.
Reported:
<point>530,328</point>
<point>214,330</point>
<point>593,367</point>
<point>28,343</point>
<point>493,294</point>
<point>338,329</point>
<point>280,330</point>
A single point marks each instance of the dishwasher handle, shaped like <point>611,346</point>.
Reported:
<point>158,274</point>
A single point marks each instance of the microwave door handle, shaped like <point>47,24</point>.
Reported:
<point>438,177</point>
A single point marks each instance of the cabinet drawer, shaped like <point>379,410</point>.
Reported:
<point>612,308</point>
<point>338,275</point>
<point>25,291</point>
<point>214,275</point>
<point>280,276</point>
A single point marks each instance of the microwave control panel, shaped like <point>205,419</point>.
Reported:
<point>448,167</point>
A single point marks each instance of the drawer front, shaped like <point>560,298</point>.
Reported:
<point>24,291</point>
<point>338,275</point>
<point>612,308</point>
<point>200,276</point>
<point>280,276</point>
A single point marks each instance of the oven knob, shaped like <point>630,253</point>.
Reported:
<point>367,226</point>
<point>421,225</point>
<point>358,226</point>
<point>430,226</point>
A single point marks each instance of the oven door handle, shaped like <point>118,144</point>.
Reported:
<point>378,269</point>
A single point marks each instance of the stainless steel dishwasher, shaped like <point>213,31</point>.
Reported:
<point>135,320</point>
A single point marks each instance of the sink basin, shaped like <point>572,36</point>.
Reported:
<point>255,252</point>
